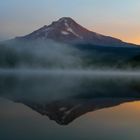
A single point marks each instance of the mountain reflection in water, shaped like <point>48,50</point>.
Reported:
<point>64,97</point>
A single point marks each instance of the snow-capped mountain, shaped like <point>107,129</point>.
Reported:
<point>66,30</point>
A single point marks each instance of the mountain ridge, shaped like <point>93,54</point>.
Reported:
<point>66,30</point>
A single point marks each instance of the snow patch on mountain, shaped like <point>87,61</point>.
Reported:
<point>64,33</point>
<point>73,32</point>
<point>66,24</point>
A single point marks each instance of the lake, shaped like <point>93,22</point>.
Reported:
<point>69,104</point>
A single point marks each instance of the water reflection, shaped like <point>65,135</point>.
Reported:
<point>63,97</point>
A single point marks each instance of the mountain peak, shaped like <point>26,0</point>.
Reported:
<point>65,22</point>
<point>65,19</point>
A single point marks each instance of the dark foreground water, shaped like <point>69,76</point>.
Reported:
<point>66,105</point>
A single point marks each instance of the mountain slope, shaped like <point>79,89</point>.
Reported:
<point>66,30</point>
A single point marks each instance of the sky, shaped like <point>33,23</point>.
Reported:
<point>116,18</point>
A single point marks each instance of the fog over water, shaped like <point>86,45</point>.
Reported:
<point>52,71</point>
<point>74,72</point>
<point>49,85</point>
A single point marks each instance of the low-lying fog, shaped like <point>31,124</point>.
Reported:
<point>47,85</point>
<point>52,55</point>
<point>74,72</point>
<point>37,54</point>
<point>52,71</point>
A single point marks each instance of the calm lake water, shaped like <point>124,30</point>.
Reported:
<point>66,105</point>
